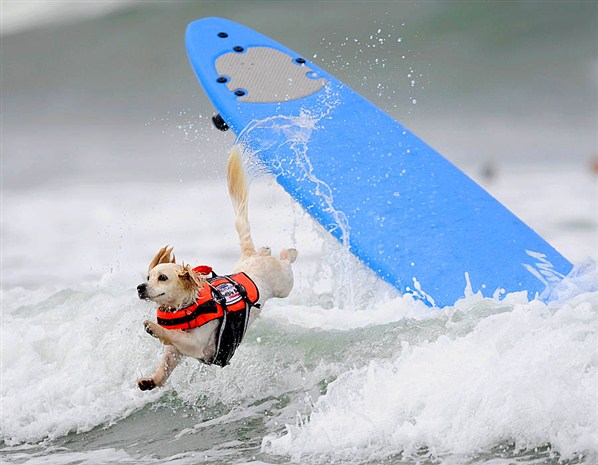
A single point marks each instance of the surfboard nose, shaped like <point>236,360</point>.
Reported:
<point>246,73</point>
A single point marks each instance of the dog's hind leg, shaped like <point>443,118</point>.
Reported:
<point>264,251</point>
<point>289,254</point>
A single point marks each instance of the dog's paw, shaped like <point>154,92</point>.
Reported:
<point>264,251</point>
<point>289,254</point>
<point>148,328</point>
<point>146,384</point>
<point>153,329</point>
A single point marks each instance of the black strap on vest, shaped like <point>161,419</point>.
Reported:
<point>206,307</point>
<point>233,325</point>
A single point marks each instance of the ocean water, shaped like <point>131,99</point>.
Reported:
<point>108,154</point>
<point>320,378</point>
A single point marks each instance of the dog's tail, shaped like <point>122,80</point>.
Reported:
<point>237,188</point>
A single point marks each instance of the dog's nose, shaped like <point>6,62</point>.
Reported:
<point>141,289</point>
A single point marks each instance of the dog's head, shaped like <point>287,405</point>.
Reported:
<point>169,284</point>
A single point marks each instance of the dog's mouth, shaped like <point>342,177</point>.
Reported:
<point>143,295</point>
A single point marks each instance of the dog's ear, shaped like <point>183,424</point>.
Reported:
<point>163,256</point>
<point>190,278</point>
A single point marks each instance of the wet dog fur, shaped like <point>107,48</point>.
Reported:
<point>174,286</point>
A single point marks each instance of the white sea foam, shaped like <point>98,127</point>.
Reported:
<point>463,379</point>
<point>69,362</point>
<point>509,371</point>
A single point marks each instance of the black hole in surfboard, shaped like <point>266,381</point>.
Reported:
<point>223,35</point>
<point>221,80</point>
<point>300,61</point>
<point>238,48</point>
<point>239,92</point>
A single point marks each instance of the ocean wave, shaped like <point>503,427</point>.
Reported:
<point>380,375</point>
<point>458,380</point>
<point>509,371</point>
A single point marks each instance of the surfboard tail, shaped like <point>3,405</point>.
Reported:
<point>238,191</point>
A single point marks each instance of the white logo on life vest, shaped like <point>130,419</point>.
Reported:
<point>229,292</point>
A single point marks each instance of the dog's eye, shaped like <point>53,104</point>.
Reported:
<point>162,277</point>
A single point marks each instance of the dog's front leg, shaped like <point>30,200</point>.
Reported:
<point>169,362</point>
<point>197,343</point>
<point>155,330</point>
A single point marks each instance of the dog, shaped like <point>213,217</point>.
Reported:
<point>181,291</point>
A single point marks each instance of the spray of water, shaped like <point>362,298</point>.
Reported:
<point>276,137</point>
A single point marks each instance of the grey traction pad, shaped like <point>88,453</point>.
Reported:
<point>267,75</point>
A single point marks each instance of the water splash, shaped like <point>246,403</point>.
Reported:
<point>286,141</point>
<point>487,379</point>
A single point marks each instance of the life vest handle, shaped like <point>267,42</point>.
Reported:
<point>243,292</point>
<point>218,297</point>
<point>239,287</point>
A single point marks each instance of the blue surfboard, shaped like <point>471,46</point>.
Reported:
<point>409,214</point>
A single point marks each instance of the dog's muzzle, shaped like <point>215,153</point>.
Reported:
<point>142,291</point>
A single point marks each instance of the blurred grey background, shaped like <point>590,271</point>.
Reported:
<point>103,92</point>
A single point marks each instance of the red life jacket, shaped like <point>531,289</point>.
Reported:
<point>230,293</point>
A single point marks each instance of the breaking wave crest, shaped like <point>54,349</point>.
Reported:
<point>493,373</point>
